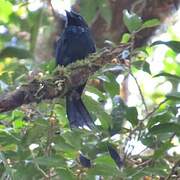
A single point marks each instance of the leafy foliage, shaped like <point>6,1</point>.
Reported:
<point>36,141</point>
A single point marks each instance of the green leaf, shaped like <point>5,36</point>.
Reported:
<point>17,114</point>
<point>168,75</point>
<point>162,149</point>
<point>125,38</point>
<point>162,117</point>
<point>5,77</point>
<point>26,171</point>
<point>60,112</point>
<point>4,116</point>
<point>118,115</point>
<point>132,115</point>
<point>150,23</point>
<point>7,138</point>
<point>103,170</point>
<point>142,65</point>
<point>105,159</point>
<point>148,140</point>
<point>69,138</point>
<point>132,21</point>
<point>65,173</point>
<point>174,45</point>
<point>62,145</point>
<point>173,96</point>
<point>5,10</point>
<point>57,161</point>
<point>111,86</point>
<point>38,130</point>
<point>17,52</point>
<point>165,128</point>
<point>17,124</point>
<point>96,109</point>
<point>96,91</point>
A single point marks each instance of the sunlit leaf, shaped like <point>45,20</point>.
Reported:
<point>132,21</point>
<point>165,128</point>
<point>60,112</point>
<point>5,10</point>
<point>125,38</point>
<point>150,23</point>
<point>174,45</point>
<point>168,75</point>
<point>18,124</point>
<point>17,114</point>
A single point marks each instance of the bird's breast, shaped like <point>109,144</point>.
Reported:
<point>76,30</point>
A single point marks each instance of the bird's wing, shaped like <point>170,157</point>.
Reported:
<point>61,50</point>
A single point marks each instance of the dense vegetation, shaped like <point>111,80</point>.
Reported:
<point>136,112</point>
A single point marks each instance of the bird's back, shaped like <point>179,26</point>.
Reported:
<point>75,44</point>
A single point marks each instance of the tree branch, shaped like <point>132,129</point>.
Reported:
<point>64,80</point>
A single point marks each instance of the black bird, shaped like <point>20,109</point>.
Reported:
<point>75,43</point>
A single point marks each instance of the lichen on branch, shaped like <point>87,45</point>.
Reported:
<point>63,80</point>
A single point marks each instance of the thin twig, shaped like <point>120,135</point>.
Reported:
<point>52,9</point>
<point>177,164</point>
<point>154,110</point>
<point>37,166</point>
<point>139,126</point>
<point>140,91</point>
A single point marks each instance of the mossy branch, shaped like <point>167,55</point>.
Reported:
<point>64,79</point>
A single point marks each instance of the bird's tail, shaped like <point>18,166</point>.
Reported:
<point>77,113</point>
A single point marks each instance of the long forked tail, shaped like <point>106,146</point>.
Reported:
<point>77,113</point>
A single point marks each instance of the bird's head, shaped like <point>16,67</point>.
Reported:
<point>75,19</point>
